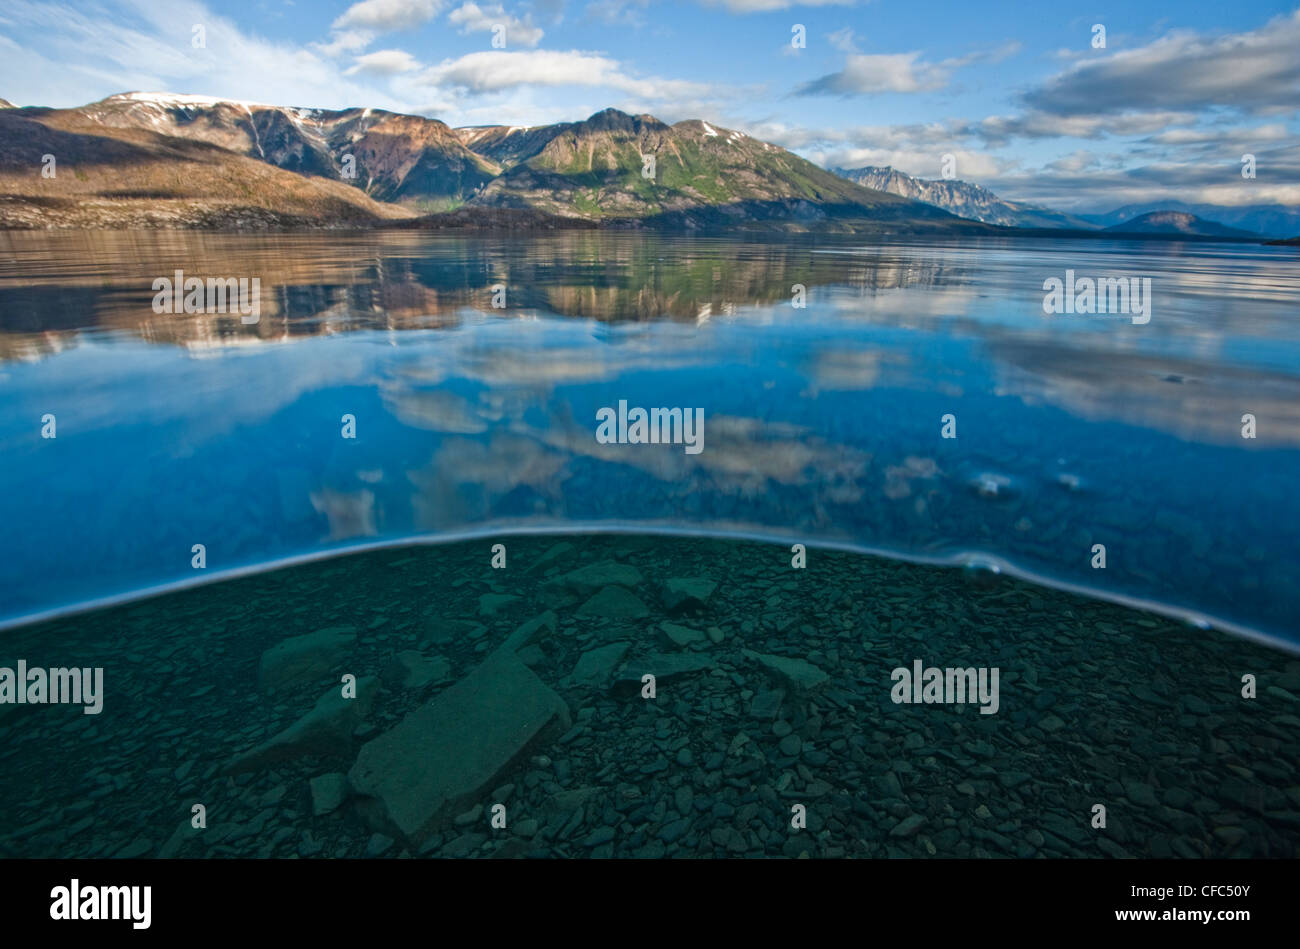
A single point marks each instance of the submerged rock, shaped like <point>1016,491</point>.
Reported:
<point>550,556</point>
<point>325,730</point>
<point>527,632</point>
<point>302,658</point>
<point>328,792</point>
<point>595,666</point>
<point>614,603</point>
<point>446,753</point>
<point>412,670</point>
<point>799,673</point>
<point>587,580</point>
<point>663,667</point>
<point>490,604</point>
<point>687,594</point>
<point>681,635</point>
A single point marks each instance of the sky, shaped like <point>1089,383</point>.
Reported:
<point>1023,96</point>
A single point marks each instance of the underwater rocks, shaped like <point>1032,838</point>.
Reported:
<point>444,754</point>
<point>303,658</point>
<point>662,667</point>
<point>328,792</point>
<point>325,730</point>
<point>587,580</point>
<point>490,604</point>
<point>529,631</point>
<point>595,666</point>
<point>710,766</point>
<point>614,603</point>
<point>681,595</point>
<point>799,673</point>
<point>681,635</point>
<point>412,670</point>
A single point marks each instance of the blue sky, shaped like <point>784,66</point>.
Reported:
<point>1016,92</point>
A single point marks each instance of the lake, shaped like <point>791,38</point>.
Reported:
<point>422,453</point>
<point>823,424</point>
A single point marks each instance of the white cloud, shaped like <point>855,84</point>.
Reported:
<point>384,62</point>
<point>87,54</point>
<point>471,18</point>
<point>493,71</point>
<point>388,14</point>
<point>346,41</point>
<point>843,40</point>
<point>1256,71</point>
<point>867,74</point>
<point>884,72</point>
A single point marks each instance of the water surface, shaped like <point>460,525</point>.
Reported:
<point>822,422</point>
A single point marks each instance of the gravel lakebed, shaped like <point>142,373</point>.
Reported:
<point>501,712</point>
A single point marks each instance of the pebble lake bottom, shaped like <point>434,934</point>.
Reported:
<point>515,696</point>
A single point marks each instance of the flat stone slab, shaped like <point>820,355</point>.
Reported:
<point>614,603</point>
<point>663,667</point>
<point>680,635</point>
<point>530,631</point>
<point>587,580</point>
<point>596,666</point>
<point>552,554</point>
<point>302,658</point>
<point>325,730</point>
<point>414,670</point>
<point>444,755</point>
<point>799,673</point>
<point>681,594</point>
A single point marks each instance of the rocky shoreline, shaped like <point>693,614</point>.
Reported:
<point>502,712</point>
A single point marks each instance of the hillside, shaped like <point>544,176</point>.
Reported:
<point>405,159</point>
<point>962,199</point>
<point>702,176</point>
<point>1176,222</point>
<point>127,177</point>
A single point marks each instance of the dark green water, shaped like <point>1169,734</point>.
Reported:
<point>458,711</point>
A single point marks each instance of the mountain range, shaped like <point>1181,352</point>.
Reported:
<point>163,159</point>
<point>147,159</point>
<point>962,198</point>
<point>1177,222</point>
<point>1270,220</point>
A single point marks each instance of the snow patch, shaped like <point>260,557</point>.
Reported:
<point>709,131</point>
<point>175,99</point>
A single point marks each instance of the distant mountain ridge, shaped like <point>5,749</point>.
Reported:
<point>1177,222</point>
<point>962,198</point>
<point>1271,220</point>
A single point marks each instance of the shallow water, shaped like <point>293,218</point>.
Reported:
<point>822,424</point>
<point>1161,687</point>
<point>1097,705</point>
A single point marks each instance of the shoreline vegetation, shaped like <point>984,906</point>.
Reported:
<point>497,220</point>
